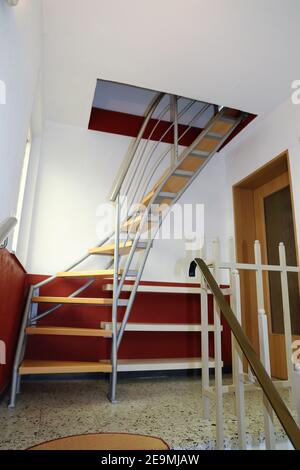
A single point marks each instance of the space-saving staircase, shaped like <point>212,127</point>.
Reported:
<point>150,182</point>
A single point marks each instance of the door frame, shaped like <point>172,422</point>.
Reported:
<point>246,234</point>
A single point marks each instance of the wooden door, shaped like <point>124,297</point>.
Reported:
<point>274,224</point>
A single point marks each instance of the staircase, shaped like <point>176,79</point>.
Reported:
<point>150,182</point>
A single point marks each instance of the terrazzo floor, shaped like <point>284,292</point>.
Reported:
<point>170,408</point>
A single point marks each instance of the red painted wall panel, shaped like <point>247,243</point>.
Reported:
<point>12,296</point>
<point>148,307</point>
<point>129,124</point>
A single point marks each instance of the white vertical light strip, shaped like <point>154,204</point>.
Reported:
<point>21,192</point>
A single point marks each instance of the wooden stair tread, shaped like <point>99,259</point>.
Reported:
<point>133,224</point>
<point>110,249</point>
<point>68,331</point>
<point>72,300</point>
<point>207,144</point>
<point>178,363</point>
<point>29,366</point>
<point>104,274</point>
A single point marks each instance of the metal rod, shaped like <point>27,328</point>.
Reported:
<point>164,154</point>
<point>127,164</point>
<point>204,348</point>
<point>139,161</point>
<point>114,353</point>
<point>83,258</point>
<point>263,378</point>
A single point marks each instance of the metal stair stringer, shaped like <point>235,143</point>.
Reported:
<point>220,116</point>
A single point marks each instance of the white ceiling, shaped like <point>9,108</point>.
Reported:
<point>134,100</point>
<point>238,53</point>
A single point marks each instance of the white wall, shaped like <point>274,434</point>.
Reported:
<point>20,53</point>
<point>76,171</point>
<point>262,141</point>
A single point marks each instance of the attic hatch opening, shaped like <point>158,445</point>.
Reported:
<point>120,108</point>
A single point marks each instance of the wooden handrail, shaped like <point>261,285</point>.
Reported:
<point>275,400</point>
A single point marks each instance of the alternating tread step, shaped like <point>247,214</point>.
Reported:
<point>37,367</point>
<point>68,331</point>
<point>184,173</point>
<point>76,300</point>
<point>101,274</point>
<point>109,250</point>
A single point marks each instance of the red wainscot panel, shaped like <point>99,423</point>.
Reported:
<point>12,299</point>
<point>148,308</point>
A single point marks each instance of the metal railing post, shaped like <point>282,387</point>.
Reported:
<point>114,353</point>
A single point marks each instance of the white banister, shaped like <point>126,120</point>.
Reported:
<point>205,349</point>
<point>264,345</point>
<point>237,364</point>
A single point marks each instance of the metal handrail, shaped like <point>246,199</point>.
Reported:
<point>271,393</point>
<point>6,226</point>
<point>166,152</point>
<point>126,166</point>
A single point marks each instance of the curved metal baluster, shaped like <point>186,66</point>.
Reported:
<point>186,108</point>
<point>164,154</point>
<point>126,165</point>
<point>159,119</point>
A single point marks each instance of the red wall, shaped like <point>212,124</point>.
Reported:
<point>148,307</point>
<point>12,296</point>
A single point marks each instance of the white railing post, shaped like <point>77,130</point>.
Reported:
<point>237,364</point>
<point>296,384</point>
<point>265,359</point>
<point>218,353</point>
<point>286,318</point>
<point>264,345</point>
<point>204,348</point>
<point>232,260</point>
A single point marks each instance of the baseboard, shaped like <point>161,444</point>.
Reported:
<point>122,375</point>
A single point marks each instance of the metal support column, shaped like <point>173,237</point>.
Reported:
<point>114,352</point>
